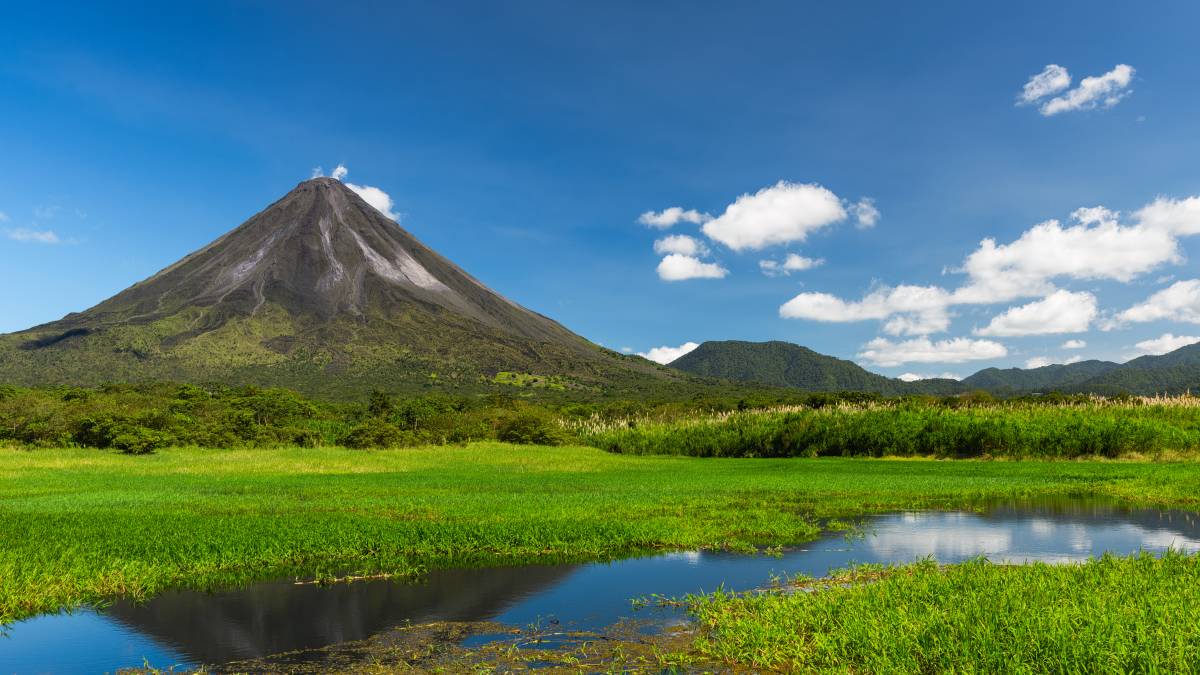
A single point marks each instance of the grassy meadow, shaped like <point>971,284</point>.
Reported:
<point>81,525</point>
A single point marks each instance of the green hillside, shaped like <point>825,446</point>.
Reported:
<point>783,364</point>
<point>1055,377</point>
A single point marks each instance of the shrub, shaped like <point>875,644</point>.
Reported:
<point>375,433</point>
<point>530,427</point>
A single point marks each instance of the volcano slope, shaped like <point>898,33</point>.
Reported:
<point>322,293</point>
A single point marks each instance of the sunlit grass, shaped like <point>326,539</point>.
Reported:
<point>1112,615</point>
<point>80,525</point>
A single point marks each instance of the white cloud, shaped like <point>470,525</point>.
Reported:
<point>1074,359</point>
<point>915,310</point>
<point>676,267</point>
<point>1073,344</point>
<point>672,216</point>
<point>1178,302</point>
<point>1104,90</point>
<point>665,354</point>
<point>1059,312</point>
<point>317,172</point>
<point>1038,362</point>
<point>25,235</point>
<point>374,196</point>
<point>792,263</point>
<point>1097,246</point>
<point>913,377</point>
<point>780,214</point>
<point>1165,343</point>
<point>681,244</point>
<point>884,352</point>
<point>1051,80</point>
<point>865,213</point>
<point>3,217</point>
<point>1180,217</point>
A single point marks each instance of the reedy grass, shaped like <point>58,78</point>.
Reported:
<point>1108,615</point>
<point>79,526</point>
<point>1099,428</point>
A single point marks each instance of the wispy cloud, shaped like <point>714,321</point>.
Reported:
<point>1053,79</point>
<point>865,212</point>
<point>1101,91</point>
<point>47,212</point>
<point>28,236</point>
<point>792,263</point>
<point>672,216</point>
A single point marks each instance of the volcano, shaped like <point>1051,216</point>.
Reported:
<point>320,292</point>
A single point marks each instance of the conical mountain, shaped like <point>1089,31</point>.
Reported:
<point>319,291</point>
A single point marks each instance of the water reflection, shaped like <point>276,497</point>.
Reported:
<point>190,628</point>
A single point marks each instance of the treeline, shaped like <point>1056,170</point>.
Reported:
<point>139,419</point>
<point>142,418</point>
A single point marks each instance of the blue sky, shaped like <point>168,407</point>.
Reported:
<point>525,140</point>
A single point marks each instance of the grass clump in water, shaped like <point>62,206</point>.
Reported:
<point>1112,614</point>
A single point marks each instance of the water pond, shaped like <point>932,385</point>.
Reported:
<point>188,628</point>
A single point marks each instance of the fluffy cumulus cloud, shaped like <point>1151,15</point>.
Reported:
<point>1073,344</point>
<point>1053,79</point>
<point>884,352</point>
<point>673,216</point>
<point>792,263</point>
<point>28,236</point>
<point>680,244</point>
<point>910,310</point>
<point>677,267</point>
<point>1100,91</point>
<point>1094,246</point>
<point>1038,362</point>
<point>913,377</point>
<point>865,213</point>
<point>377,198</point>
<point>1180,217</point>
<point>1178,302</point>
<point>1059,312</point>
<point>1097,246</point>
<point>666,354</point>
<point>780,214</point>
<point>1165,343</point>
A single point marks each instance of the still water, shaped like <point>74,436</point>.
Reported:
<point>189,628</point>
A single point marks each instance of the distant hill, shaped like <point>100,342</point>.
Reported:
<point>783,364</point>
<point>1171,373</point>
<point>322,293</point>
<point>1046,378</point>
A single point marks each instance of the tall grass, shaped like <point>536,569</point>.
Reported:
<point>1109,615</point>
<point>1095,428</point>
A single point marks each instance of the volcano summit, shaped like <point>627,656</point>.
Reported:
<point>319,292</point>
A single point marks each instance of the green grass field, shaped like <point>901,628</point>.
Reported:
<point>81,525</point>
<point>1109,615</point>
